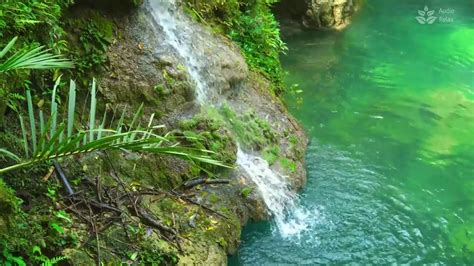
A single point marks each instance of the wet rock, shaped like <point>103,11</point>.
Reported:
<point>319,14</point>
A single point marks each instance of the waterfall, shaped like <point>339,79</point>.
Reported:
<point>182,38</point>
<point>281,201</point>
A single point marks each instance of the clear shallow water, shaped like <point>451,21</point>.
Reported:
<point>389,106</point>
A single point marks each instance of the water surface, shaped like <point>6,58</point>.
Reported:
<point>389,107</point>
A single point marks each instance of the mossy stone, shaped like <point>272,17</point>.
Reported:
<point>8,205</point>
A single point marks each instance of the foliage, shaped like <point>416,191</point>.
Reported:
<point>271,154</point>
<point>56,139</point>
<point>257,33</point>
<point>246,191</point>
<point>251,24</point>
<point>209,133</point>
<point>42,227</point>
<point>23,16</point>
<point>37,22</point>
<point>26,58</point>
<point>94,35</point>
<point>37,58</point>
<point>251,131</point>
<point>53,261</point>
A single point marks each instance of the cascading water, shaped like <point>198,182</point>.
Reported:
<point>290,218</point>
<point>280,200</point>
<point>182,38</point>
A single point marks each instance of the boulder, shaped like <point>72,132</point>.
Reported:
<point>319,14</point>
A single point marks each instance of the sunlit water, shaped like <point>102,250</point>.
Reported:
<point>389,106</point>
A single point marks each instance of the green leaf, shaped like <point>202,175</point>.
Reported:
<point>71,108</point>
<point>25,139</point>
<point>92,111</point>
<point>60,144</point>
<point>8,154</point>
<point>8,47</point>
<point>63,215</point>
<point>31,116</point>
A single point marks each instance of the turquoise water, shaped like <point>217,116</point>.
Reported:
<point>389,108</point>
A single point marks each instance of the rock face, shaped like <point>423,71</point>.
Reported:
<point>319,14</point>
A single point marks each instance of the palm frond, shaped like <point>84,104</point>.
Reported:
<point>8,47</point>
<point>28,58</point>
<point>10,155</point>
<point>57,139</point>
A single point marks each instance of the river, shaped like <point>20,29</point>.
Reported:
<point>388,104</point>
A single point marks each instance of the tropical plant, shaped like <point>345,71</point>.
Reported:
<point>27,58</point>
<point>56,139</point>
<point>23,16</point>
<point>53,261</point>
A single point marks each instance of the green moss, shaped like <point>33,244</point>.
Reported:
<point>288,164</point>
<point>213,198</point>
<point>78,257</point>
<point>8,206</point>
<point>246,191</point>
<point>209,133</point>
<point>42,228</point>
<point>271,154</point>
<point>251,131</point>
<point>140,169</point>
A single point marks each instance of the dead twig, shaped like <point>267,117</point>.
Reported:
<point>199,204</point>
<point>192,183</point>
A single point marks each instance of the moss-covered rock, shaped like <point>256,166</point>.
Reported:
<point>252,131</point>
<point>210,133</point>
<point>252,26</point>
<point>8,206</point>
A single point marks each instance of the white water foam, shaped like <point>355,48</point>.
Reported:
<point>283,204</point>
<point>290,218</point>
